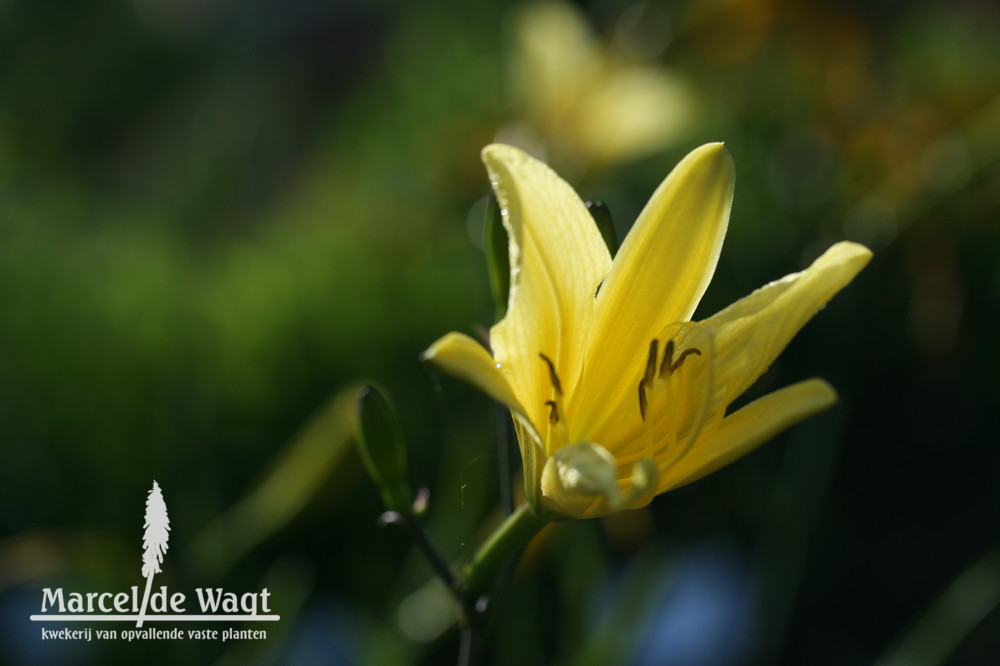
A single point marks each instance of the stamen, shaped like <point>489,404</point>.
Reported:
<point>558,436</point>
<point>642,400</point>
<point>680,359</point>
<point>651,361</point>
<point>668,358</point>
<point>700,411</point>
<point>669,365</point>
<point>553,377</point>
<point>647,378</point>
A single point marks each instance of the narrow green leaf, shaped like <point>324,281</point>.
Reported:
<point>293,479</point>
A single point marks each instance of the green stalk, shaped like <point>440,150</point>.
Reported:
<point>504,543</point>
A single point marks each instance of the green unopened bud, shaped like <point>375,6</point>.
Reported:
<point>497,257</point>
<point>380,443</point>
<point>605,224</point>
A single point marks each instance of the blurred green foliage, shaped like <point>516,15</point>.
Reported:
<point>216,216</point>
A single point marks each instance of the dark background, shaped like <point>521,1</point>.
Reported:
<point>217,217</point>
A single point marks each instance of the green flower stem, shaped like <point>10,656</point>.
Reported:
<point>415,529</point>
<point>433,556</point>
<point>504,543</point>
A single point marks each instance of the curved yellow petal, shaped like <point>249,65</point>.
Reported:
<point>753,331</point>
<point>744,430</point>
<point>659,274</point>
<point>557,259</point>
<point>461,356</point>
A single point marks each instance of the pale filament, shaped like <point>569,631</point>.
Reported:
<point>660,406</point>
<point>701,409</point>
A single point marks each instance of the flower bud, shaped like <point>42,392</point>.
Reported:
<point>380,443</point>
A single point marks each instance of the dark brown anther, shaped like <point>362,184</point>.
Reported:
<point>669,365</point>
<point>651,362</point>
<point>668,358</point>
<point>642,399</point>
<point>553,377</point>
<point>647,377</point>
<point>553,411</point>
<point>680,359</point>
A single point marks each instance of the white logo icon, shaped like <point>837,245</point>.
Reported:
<point>160,605</point>
<point>154,541</point>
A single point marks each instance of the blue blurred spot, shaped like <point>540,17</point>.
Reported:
<point>705,617</point>
<point>323,636</point>
<point>22,639</point>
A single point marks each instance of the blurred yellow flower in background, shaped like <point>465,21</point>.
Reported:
<point>586,104</point>
<point>616,394</point>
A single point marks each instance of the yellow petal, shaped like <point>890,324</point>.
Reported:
<point>753,331</point>
<point>557,259</point>
<point>463,357</point>
<point>744,430</point>
<point>659,274</point>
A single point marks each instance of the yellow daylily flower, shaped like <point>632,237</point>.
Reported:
<point>587,103</point>
<point>616,394</point>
